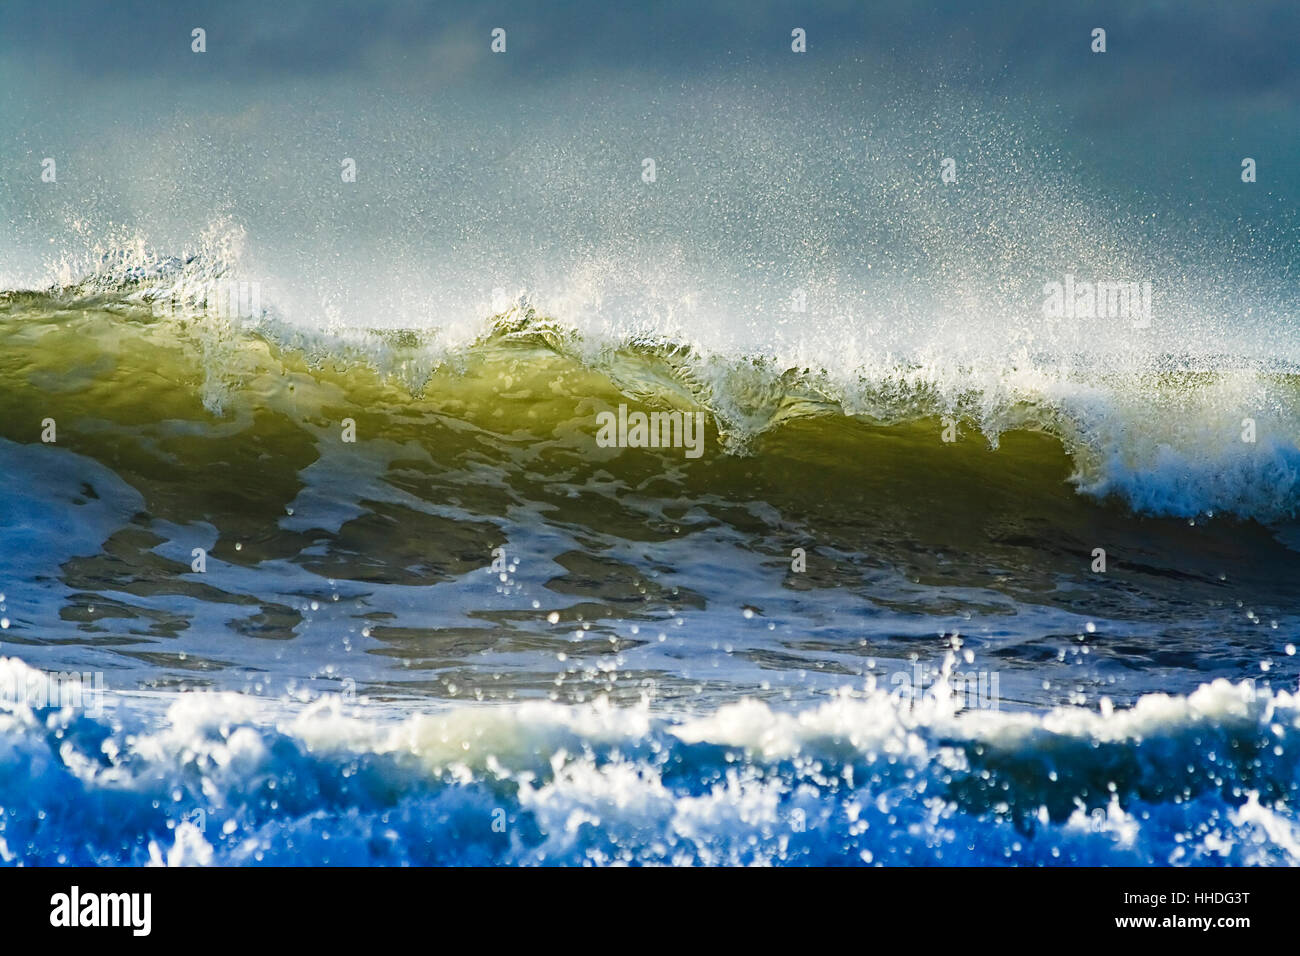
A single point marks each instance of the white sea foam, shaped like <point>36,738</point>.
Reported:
<point>1206,778</point>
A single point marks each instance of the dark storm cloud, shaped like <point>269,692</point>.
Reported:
<point>1021,44</point>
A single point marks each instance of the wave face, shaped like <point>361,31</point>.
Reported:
<point>235,504</point>
<point>220,779</point>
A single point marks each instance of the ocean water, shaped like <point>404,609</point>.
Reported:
<point>312,550</point>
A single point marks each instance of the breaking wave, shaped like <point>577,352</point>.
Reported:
<point>1168,435</point>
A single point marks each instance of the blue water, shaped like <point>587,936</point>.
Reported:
<point>219,780</point>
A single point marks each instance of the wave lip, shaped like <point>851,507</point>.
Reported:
<point>1204,779</point>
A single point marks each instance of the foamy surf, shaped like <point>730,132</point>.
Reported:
<point>859,779</point>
